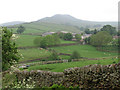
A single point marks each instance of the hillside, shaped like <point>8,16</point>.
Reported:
<point>60,22</point>
<point>12,23</point>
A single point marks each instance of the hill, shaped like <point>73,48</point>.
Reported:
<point>60,22</point>
<point>12,23</point>
<point>70,20</point>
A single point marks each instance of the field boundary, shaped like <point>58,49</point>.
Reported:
<point>66,44</point>
<point>108,51</point>
<point>89,76</point>
<point>82,58</point>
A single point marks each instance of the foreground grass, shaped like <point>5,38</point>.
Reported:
<point>59,67</point>
<point>84,50</point>
<point>33,53</point>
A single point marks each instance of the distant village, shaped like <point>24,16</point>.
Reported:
<point>83,35</point>
<point>73,34</point>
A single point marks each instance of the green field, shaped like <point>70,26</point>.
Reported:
<point>38,27</point>
<point>64,42</point>
<point>25,40</point>
<point>59,67</point>
<point>34,53</point>
<point>84,50</point>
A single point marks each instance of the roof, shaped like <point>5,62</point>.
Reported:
<point>48,33</point>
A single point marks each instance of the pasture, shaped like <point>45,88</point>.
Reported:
<point>25,40</point>
<point>59,67</point>
<point>33,53</point>
<point>64,42</point>
<point>84,50</point>
<point>38,27</point>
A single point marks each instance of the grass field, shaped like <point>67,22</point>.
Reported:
<point>84,50</point>
<point>63,42</point>
<point>34,53</point>
<point>25,40</point>
<point>59,67</point>
<point>38,27</point>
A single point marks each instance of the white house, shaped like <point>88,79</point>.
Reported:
<point>48,33</point>
<point>86,36</point>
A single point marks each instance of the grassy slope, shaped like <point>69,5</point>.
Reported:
<point>25,40</point>
<point>38,27</point>
<point>84,50</point>
<point>59,67</point>
<point>63,42</point>
<point>30,54</point>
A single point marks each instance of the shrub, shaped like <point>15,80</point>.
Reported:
<point>54,55</point>
<point>75,55</point>
<point>9,50</point>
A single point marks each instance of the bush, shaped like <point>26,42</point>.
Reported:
<point>54,55</point>
<point>8,80</point>
<point>46,41</point>
<point>68,36</point>
<point>75,55</point>
<point>9,50</point>
<point>20,29</point>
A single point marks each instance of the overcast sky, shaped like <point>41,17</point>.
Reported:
<point>32,10</point>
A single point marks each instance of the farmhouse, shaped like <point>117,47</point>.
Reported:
<point>48,33</point>
<point>115,37</point>
<point>64,32</point>
<point>73,34</point>
<point>86,36</point>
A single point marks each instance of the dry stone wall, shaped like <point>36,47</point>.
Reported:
<point>91,76</point>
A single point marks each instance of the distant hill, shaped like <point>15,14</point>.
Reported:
<point>69,20</point>
<point>61,22</point>
<point>12,23</point>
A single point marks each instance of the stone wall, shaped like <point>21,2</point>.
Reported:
<point>91,76</point>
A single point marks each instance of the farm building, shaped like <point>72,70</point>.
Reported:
<point>116,37</point>
<point>86,36</point>
<point>48,33</point>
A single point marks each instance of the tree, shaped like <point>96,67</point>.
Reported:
<point>75,55</point>
<point>101,38</point>
<point>9,50</point>
<point>87,31</point>
<point>56,39</point>
<point>20,29</point>
<point>61,35</point>
<point>68,36</point>
<point>95,31</point>
<point>108,28</point>
<point>54,55</point>
<point>46,41</point>
<point>87,40</point>
<point>78,37</point>
<point>43,43</point>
